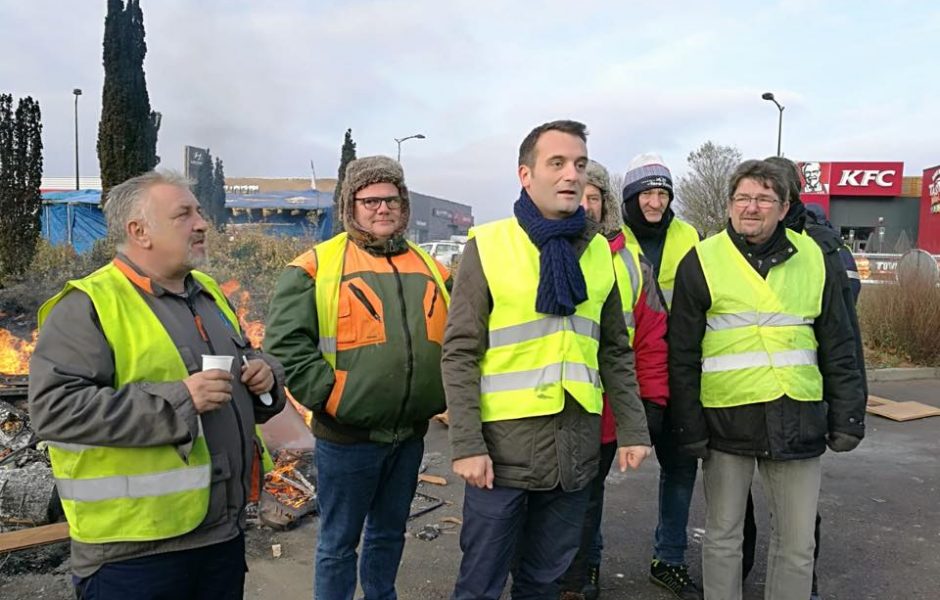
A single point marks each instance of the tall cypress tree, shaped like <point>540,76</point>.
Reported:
<point>347,155</point>
<point>202,186</point>
<point>20,179</point>
<point>219,216</point>
<point>127,132</point>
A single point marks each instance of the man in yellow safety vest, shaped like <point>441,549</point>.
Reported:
<point>534,338</point>
<point>153,446</point>
<point>762,370</point>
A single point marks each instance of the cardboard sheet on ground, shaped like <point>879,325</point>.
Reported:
<point>900,411</point>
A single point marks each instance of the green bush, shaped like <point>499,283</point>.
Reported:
<point>902,320</point>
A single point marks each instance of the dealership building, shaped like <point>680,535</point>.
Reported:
<point>875,207</point>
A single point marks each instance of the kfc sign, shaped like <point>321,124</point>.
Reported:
<point>866,179</point>
<point>932,182</point>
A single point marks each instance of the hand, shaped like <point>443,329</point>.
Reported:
<point>258,376</point>
<point>632,456</point>
<point>210,390</point>
<point>842,442</point>
<point>476,470</point>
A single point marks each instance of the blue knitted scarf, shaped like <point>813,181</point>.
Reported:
<point>561,282</point>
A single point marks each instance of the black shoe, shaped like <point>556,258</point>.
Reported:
<point>676,579</point>
<point>592,589</point>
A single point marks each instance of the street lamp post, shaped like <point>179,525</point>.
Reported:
<point>77,93</point>
<point>417,136</point>
<point>770,96</point>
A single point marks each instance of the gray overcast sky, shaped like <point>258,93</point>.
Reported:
<point>270,86</point>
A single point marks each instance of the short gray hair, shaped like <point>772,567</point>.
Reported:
<point>124,200</point>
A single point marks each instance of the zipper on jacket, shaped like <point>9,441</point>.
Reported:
<point>238,416</point>
<point>409,364</point>
<point>361,296</point>
<point>433,302</point>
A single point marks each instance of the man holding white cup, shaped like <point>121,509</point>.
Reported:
<point>152,448</point>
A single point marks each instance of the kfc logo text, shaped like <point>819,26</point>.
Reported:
<point>866,179</point>
<point>861,178</point>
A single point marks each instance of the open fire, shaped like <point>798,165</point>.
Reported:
<point>15,352</point>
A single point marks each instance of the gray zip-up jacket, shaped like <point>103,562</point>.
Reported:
<point>537,453</point>
<point>72,399</point>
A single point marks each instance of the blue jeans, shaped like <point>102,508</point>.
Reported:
<point>676,485</point>
<point>215,572</point>
<point>364,486</point>
<point>533,534</point>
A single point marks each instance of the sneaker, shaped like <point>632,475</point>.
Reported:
<point>592,589</point>
<point>676,579</point>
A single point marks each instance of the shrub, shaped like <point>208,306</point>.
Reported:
<point>903,320</point>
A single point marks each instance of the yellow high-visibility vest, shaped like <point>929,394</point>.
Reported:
<point>759,341</point>
<point>680,238</point>
<point>532,358</point>
<point>124,494</point>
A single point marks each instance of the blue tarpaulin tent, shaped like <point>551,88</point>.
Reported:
<point>307,213</point>
<point>73,218</point>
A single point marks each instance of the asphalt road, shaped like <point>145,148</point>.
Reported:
<point>880,537</point>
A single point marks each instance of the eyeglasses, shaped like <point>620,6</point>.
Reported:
<point>743,200</point>
<point>391,202</point>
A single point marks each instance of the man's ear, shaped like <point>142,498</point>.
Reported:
<point>138,233</point>
<point>525,175</point>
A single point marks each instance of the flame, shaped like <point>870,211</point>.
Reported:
<point>253,330</point>
<point>15,352</point>
<point>285,493</point>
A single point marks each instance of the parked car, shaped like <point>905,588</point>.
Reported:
<point>445,251</point>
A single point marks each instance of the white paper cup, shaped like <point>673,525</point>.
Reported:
<point>212,361</point>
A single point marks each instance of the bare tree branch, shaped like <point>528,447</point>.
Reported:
<point>702,195</point>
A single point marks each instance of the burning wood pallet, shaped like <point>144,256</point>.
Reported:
<point>288,493</point>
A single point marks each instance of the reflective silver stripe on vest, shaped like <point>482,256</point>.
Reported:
<point>667,295</point>
<point>748,360</point>
<point>853,275</point>
<point>627,259</point>
<point>628,319</point>
<point>328,345</point>
<point>749,319</point>
<point>134,486</point>
<point>547,375</point>
<point>68,447</point>
<point>533,330</point>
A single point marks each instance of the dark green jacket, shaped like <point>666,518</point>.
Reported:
<point>387,382</point>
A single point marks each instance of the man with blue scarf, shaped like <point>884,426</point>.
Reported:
<point>535,336</point>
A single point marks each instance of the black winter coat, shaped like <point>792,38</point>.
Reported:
<point>783,429</point>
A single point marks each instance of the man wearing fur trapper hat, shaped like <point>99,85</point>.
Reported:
<point>653,231</point>
<point>358,323</point>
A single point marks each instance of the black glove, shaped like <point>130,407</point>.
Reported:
<point>654,419</point>
<point>842,442</point>
<point>696,449</point>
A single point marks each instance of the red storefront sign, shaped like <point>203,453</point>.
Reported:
<point>866,179</point>
<point>814,183</point>
<point>928,235</point>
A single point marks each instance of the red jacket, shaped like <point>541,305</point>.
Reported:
<point>649,345</point>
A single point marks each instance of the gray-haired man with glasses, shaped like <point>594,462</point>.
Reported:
<point>762,371</point>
